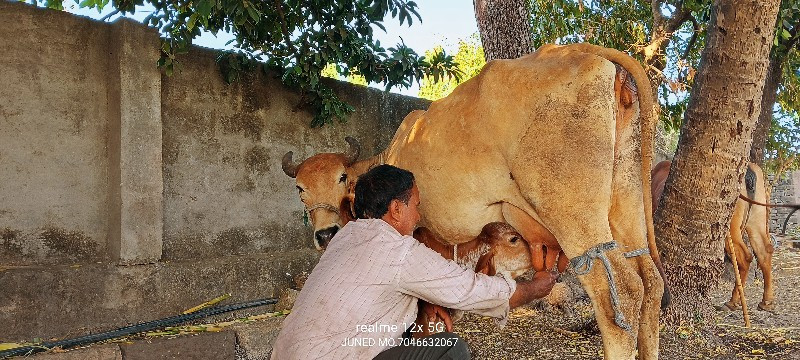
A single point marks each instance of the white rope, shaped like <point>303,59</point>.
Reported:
<point>325,206</point>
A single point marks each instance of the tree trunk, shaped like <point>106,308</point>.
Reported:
<point>694,218</point>
<point>504,27</point>
<point>765,117</point>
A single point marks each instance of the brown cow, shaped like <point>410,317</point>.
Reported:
<point>752,218</point>
<point>556,144</point>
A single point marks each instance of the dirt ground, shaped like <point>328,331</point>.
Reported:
<point>541,331</point>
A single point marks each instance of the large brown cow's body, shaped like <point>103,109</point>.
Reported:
<point>753,218</point>
<point>552,144</point>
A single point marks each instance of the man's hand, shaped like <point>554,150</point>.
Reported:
<point>436,313</point>
<point>536,288</point>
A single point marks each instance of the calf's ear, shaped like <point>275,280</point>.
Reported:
<point>485,264</point>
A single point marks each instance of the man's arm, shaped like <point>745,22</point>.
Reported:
<point>536,288</point>
<point>428,276</point>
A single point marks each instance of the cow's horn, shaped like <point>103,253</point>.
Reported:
<point>289,166</point>
<point>352,154</point>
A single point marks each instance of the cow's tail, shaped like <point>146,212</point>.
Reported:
<point>648,115</point>
<point>789,206</point>
<point>794,208</point>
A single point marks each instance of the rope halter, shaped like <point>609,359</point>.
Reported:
<point>325,206</point>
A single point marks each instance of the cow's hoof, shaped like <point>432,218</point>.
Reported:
<point>728,306</point>
<point>766,306</point>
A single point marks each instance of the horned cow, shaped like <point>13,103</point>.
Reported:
<point>558,145</point>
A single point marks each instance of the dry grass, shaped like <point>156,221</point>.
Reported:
<point>541,331</point>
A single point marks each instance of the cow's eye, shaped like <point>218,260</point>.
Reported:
<point>300,190</point>
<point>343,178</point>
<point>514,239</point>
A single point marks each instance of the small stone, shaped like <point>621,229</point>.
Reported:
<point>300,280</point>
<point>286,299</point>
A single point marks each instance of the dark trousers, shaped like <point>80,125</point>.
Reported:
<point>441,346</point>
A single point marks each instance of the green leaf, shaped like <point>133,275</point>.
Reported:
<point>192,21</point>
<point>204,8</point>
<point>254,14</point>
<point>55,4</point>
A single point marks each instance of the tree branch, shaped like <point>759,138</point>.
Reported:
<point>691,42</point>
<point>678,18</point>
<point>658,18</point>
<point>663,28</point>
<point>284,27</point>
<point>115,12</point>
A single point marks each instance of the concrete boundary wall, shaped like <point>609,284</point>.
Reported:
<point>103,158</point>
<point>105,161</point>
<point>783,192</point>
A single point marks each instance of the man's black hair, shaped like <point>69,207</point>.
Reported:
<point>376,189</point>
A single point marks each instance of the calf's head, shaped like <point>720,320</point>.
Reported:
<point>323,182</point>
<point>508,250</point>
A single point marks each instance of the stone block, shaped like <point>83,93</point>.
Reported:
<point>286,299</point>
<point>205,346</point>
<point>255,340</point>
<point>97,352</point>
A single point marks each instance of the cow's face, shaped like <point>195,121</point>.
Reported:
<point>508,250</point>
<point>323,184</point>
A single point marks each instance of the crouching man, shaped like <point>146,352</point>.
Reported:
<point>362,296</point>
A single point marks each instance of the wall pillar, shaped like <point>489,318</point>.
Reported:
<point>135,174</point>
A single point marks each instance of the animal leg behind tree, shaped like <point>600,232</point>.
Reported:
<point>763,250</point>
<point>743,255</point>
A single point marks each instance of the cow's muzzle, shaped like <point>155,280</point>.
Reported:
<point>324,236</point>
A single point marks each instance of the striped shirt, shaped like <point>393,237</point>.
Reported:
<point>362,295</point>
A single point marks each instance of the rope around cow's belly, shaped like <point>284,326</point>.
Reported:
<point>583,264</point>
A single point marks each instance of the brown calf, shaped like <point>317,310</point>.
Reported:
<point>498,248</point>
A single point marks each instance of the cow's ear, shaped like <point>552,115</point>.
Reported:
<point>346,210</point>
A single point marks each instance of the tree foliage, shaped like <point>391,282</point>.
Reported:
<point>470,60</point>
<point>294,39</point>
<point>783,143</point>
<point>627,26</point>
<point>630,25</point>
<point>334,72</point>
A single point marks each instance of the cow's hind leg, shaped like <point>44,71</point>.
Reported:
<point>743,259</point>
<point>763,249</point>
<point>581,229</point>
<point>568,185</point>
<point>628,223</point>
<point>632,237</point>
<point>616,293</point>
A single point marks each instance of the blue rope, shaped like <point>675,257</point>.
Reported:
<point>583,264</point>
